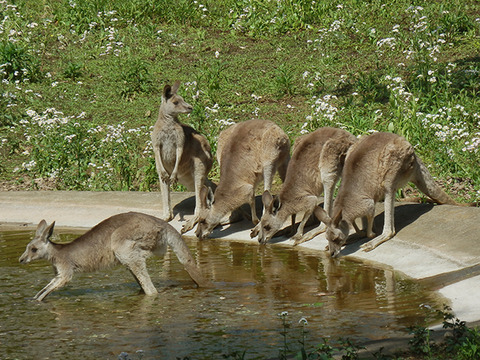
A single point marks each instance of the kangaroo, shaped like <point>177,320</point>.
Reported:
<point>181,153</point>
<point>128,238</point>
<point>315,167</point>
<point>375,168</point>
<point>247,152</point>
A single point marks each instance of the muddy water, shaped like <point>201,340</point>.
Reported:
<point>102,314</point>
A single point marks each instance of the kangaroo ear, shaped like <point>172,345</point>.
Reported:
<point>271,203</point>
<point>167,92</point>
<point>206,197</point>
<point>210,197</point>
<point>337,218</point>
<point>42,225</point>
<point>49,231</point>
<point>175,87</point>
<point>266,198</point>
<point>276,204</point>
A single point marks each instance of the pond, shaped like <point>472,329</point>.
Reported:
<point>100,315</point>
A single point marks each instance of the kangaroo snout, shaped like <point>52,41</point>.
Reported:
<point>24,259</point>
<point>334,253</point>
<point>184,107</point>
<point>263,241</point>
<point>202,234</point>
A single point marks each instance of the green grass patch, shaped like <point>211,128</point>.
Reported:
<point>363,66</point>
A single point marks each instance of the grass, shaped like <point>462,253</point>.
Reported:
<point>95,69</point>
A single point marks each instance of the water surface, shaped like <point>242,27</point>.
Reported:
<point>99,315</point>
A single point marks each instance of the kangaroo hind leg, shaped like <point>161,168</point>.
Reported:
<point>199,179</point>
<point>140,273</point>
<point>135,261</point>
<point>388,227</point>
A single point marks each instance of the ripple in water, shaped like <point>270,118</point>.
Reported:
<point>100,315</point>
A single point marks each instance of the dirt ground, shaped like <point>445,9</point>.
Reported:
<point>460,189</point>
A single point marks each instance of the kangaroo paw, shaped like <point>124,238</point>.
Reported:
<point>302,239</point>
<point>311,234</point>
<point>173,179</point>
<point>167,217</point>
<point>189,225</point>
<point>165,177</point>
<point>296,238</point>
<point>254,232</point>
<point>372,244</point>
<point>367,247</point>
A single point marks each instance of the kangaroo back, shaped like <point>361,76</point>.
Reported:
<point>316,157</point>
<point>248,152</point>
<point>246,148</point>
<point>314,169</point>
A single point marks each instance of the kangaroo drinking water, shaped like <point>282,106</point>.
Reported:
<point>375,168</point>
<point>181,153</point>
<point>247,152</point>
<point>315,167</point>
<point>128,239</point>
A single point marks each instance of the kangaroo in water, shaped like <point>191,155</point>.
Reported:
<point>181,153</point>
<point>128,239</point>
<point>375,168</point>
<point>247,152</point>
<point>315,167</point>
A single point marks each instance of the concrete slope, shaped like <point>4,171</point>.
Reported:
<point>439,245</point>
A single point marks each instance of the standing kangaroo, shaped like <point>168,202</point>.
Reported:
<point>128,238</point>
<point>181,153</point>
<point>247,153</point>
<point>315,167</point>
<point>375,168</point>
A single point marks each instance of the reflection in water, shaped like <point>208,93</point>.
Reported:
<point>100,315</point>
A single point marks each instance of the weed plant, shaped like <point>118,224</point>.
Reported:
<point>460,342</point>
<point>412,69</point>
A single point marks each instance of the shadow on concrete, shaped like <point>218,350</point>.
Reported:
<point>439,281</point>
<point>405,214</point>
<point>184,207</point>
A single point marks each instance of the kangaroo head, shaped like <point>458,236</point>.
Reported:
<point>270,222</point>
<point>172,103</point>
<point>336,234</point>
<point>38,248</point>
<point>207,218</point>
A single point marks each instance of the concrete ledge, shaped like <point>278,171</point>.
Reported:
<point>439,244</point>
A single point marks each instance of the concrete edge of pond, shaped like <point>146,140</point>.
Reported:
<point>437,245</point>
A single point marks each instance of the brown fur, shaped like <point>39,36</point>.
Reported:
<point>248,152</point>
<point>128,238</point>
<point>181,153</point>
<point>375,168</point>
<point>315,167</point>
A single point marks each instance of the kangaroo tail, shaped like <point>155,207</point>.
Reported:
<point>181,250</point>
<point>426,184</point>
